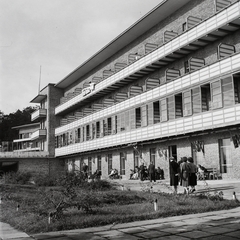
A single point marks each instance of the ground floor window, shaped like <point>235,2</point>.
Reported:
<point>99,163</point>
<point>136,159</point>
<point>122,163</point>
<point>173,151</point>
<point>109,159</point>
<point>153,155</point>
<point>225,155</point>
<point>90,165</point>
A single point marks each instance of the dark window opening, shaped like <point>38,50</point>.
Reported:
<point>206,97</point>
<point>138,117</point>
<point>109,159</point>
<point>97,129</point>
<point>153,155</point>
<point>178,105</point>
<point>122,163</point>
<point>88,137</point>
<point>186,66</point>
<point>236,79</point>
<point>156,112</point>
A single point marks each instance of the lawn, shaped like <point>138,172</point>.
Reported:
<point>88,206</point>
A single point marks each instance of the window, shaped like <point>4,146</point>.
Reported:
<point>136,158</point>
<point>153,155</point>
<point>206,97</point>
<point>88,137</point>
<point>178,106</point>
<point>97,129</point>
<point>93,130</point>
<point>83,134</point>
<point>109,159</point>
<point>225,155</point>
<point>105,132</point>
<point>186,66</point>
<point>99,162</point>
<point>138,117</point>
<point>236,79</point>
<point>156,112</point>
<point>89,165</point>
<point>123,156</point>
<point>109,126</point>
<point>172,151</point>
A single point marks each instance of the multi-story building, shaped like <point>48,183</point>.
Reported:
<point>167,86</point>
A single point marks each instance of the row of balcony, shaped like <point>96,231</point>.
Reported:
<point>193,64</point>
<point>204,75</point>
<point>199,122</point>
<point>27,154</point>
<point>205,32</point>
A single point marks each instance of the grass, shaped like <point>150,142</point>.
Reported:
<point>108,207</point>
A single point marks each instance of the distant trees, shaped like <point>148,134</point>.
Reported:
<point>14,119</point>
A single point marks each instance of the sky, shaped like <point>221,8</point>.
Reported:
<point>55,36</point>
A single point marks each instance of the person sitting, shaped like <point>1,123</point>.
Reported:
<point>131,174</point>
<point>113,173</point>
<point>97,174</point>
<point>201,172</point>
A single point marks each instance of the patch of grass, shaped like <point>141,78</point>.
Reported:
<point>108,206</point>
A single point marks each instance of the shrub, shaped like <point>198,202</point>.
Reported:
<point>45,180</point>
<point>17,177</point>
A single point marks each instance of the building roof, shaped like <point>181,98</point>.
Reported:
<point>153,17</point>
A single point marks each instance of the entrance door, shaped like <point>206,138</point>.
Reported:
<point>225,156</point>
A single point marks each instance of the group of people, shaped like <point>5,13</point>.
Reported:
<point>147,173</point>
<point>183,172</point>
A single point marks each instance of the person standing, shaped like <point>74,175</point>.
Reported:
<point>141,171</point>
<point>85,169</point>
<point>192,180</point>
<point>184,174</point>
<point>174,173</point>
<point>151,172</point>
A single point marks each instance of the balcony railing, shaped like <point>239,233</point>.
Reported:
<point>41,133</point>
<point>24,154</point>
<point>206,31</point>
<point>203,121</point>
<point>38,114</point>
<point>202,75</point>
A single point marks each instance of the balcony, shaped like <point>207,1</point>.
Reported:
<point>27,154</point>
<point>203,121</point>
<point>207,31</point>
<point>22,140</point>
<point>206,73</point>
<point>39,134</point>
<point>39,114</point>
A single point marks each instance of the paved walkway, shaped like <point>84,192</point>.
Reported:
<point>223,224</point>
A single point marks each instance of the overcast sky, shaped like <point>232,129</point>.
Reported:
<point>58,35</point>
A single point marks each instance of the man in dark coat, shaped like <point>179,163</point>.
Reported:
<point>151,171</point>
<point>174,173</point>
<point>85,169</point>
<point>141,171</point>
